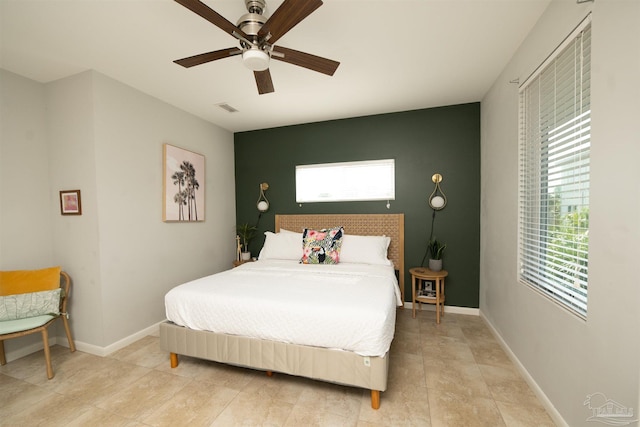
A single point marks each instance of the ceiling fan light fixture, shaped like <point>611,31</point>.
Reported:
<point>257,35</point>
<point>255,59</point>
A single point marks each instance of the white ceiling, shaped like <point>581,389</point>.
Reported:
<point>394,55</point>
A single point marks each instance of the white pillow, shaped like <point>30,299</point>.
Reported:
<point>365,249</point>
<point>287,245</point>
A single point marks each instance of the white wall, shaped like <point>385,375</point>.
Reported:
<point>105,138</point>
<point>141,257</point>
<point>25,220</point>
<point>569,358</point>
<point>70,106</point>
<point>25,197</point>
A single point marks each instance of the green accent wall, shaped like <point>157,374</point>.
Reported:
<point>443,140</point>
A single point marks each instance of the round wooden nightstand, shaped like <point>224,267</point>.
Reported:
<point>420,274</point>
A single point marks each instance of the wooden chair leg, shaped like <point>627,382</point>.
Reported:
<point>65,321</point>
<point>47,352</point>
<point>3,359</point>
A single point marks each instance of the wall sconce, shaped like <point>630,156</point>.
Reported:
<point>263,204</point>
<point>437,199</point>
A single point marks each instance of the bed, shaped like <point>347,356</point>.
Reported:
<point>358,357</point>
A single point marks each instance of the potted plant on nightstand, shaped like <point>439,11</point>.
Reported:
<point>436,248</point>
<point>246,233</point>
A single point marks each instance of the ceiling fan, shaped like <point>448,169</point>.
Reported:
<point>257,36</point>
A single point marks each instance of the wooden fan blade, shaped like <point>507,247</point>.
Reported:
<point>306,60</point>
<point>287,16</point>
<point>212,16</point>
<point>208,57</point>
<point>263,80</point>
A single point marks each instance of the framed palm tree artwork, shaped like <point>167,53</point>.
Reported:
<point>183,185</point>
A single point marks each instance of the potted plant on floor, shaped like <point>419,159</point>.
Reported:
<point>436,248</point>
<point>246,233</point>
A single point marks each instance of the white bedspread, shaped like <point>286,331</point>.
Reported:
<point>345,306</point>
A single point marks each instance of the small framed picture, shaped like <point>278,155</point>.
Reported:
<point>429,286</point>
<point>427,289</point>
<point>70,203</point>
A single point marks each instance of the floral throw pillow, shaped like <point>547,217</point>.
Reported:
<point>321,246</point>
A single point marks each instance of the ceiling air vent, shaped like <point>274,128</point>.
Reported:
<point>227,107</point>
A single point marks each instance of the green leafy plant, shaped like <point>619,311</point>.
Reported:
<point>568,235</point>
<point>436,248</point>
<point>247,233</point>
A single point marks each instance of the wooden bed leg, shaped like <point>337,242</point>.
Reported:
<point>269,373</point>
<point>375,399</point>
<point>174,360</point>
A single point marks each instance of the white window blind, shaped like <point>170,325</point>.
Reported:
<point>346,181</point>
<point>555,141</point>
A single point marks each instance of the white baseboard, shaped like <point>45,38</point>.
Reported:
<point>447,309</point>
<point>85,347</point>
<point>111,348</point>
<point>27,350</point>
<point>553,412</point>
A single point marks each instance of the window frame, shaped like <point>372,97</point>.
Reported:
<point>543,257</point>
<point>369,180</point>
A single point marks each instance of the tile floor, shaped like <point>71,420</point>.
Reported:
<point>452,374</point>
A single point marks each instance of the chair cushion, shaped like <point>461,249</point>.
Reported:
<point>25,281</point>
<point>33,304</point>
<point>11,326</point>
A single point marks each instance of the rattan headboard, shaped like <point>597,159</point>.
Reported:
<point>391,225</point>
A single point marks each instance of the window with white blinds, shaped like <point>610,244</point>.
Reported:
<point>555,141</point>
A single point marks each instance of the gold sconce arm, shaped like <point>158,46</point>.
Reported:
<point>263,204</point>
